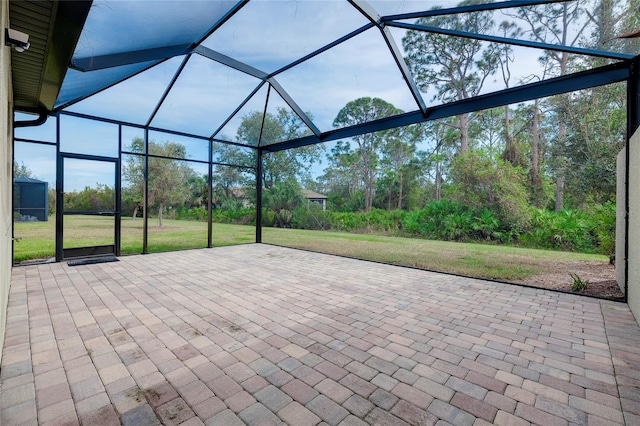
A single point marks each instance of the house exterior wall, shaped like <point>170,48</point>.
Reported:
<point>621,194</point>
<point>633,259</point>
<point>6,170</point>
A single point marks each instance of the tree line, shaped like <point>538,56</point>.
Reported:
<point>556,152</point>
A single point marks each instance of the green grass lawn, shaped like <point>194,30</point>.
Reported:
<point>36,240</point>
<point>479,260</point>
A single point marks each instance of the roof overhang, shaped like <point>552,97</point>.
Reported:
<point>54,28</point>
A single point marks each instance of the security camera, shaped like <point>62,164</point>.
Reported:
<point>16,39</point>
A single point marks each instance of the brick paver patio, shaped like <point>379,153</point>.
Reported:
<point>263,335</point>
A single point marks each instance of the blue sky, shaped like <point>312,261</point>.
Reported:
<point>263,34</point>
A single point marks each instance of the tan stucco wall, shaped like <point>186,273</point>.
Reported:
<point>634,225</point>
<point>621,180</point>
<point>6,156</point>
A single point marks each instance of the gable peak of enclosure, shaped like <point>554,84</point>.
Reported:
<point>198,68</point>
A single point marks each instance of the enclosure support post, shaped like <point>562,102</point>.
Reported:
<point>259,196</point>
<point>209,196</point>
<point>59,193</point>
<point>118,195</point>
<point>145,197</point>
<point>633,123</point>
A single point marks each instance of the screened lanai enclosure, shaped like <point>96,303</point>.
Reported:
<point>192,124</point>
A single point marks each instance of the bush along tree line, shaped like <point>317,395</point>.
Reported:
<point>539,174</point>
<point>589,230</point>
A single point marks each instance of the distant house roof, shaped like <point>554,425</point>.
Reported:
<point>23,179</point>
<point>309,194</point>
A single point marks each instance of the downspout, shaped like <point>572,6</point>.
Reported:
<point>43,114</point>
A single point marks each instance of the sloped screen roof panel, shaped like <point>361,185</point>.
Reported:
<point>115,26</point>
<point>326,83</point>
<point>313,58</point>
<point>77,85</point>
<point>134,99</point>
<point>204,95</point>
<point>271,34</point>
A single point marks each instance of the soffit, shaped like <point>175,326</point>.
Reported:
<point>54,28</point>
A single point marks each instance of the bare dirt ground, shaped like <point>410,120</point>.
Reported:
<point>600,275</point>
